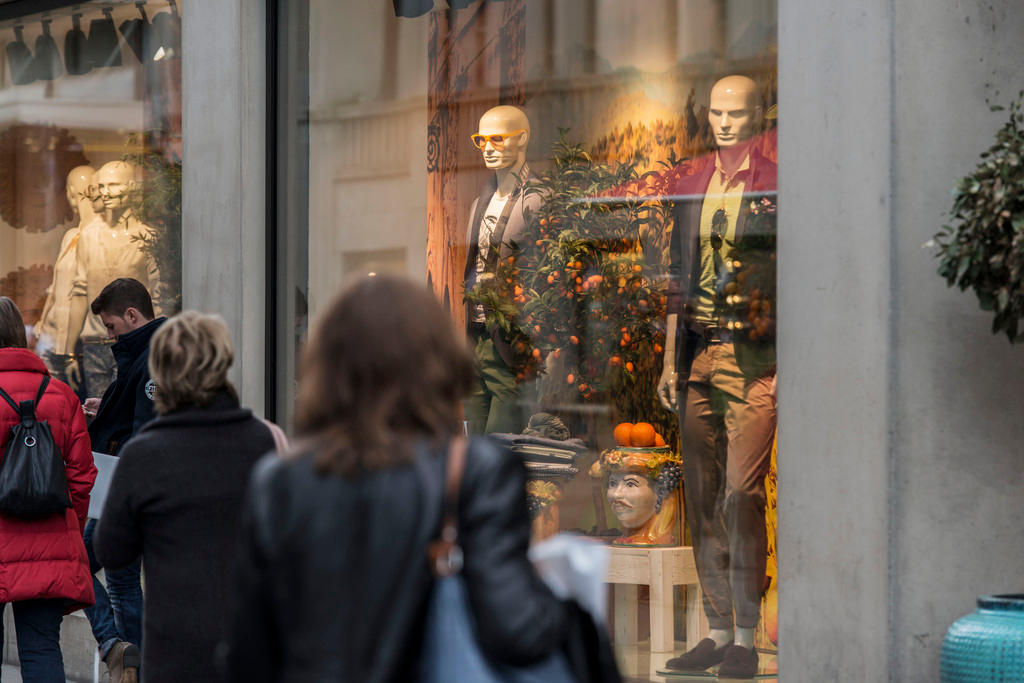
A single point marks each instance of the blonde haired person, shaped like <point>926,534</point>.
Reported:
<point>177,493</point>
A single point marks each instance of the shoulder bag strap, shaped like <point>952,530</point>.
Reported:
<point>444,553</point>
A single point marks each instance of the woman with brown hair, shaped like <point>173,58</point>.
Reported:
<point>176,496</point>
<point>333,581</point>
<point>44,570</point>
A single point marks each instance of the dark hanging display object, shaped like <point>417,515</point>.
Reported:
<point>136,32</point>
<point>103,48</point>
<point>166,30</point>
<point>47,62</point>
<point>20,59</point>
<point>75,59</point>
<point>412,8</point>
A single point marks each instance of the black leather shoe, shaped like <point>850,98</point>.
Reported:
<point>701,657</point>
<point>739,662</point>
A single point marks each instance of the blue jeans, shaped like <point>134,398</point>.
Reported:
<point>37,626</point>
<point>117,614</point>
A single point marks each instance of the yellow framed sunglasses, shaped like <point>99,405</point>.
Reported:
<point>497,140</point>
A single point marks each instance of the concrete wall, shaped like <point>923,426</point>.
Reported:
<point>900,465</point>
<point>224,176</point>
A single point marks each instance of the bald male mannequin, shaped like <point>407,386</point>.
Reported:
<point>725,372</point>
<point>52,329</point>
<point>496,221</point>
<point>108,249</point>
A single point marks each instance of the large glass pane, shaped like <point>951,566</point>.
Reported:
<point>589,186</point>
<point>90,177</point>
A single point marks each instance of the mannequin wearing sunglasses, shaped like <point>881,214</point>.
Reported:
<point>52,329</point>
<point>108,248</point>
<point>496,222</point>
<point>723,240</point>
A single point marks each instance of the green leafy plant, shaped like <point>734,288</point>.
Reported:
<point>588,287</point>
<point>156,201</point>
<point>983,246</point>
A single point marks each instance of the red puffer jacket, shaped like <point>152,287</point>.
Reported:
<point>46,558</point>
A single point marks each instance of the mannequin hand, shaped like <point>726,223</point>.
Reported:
<point>667,387</point>
<point>484,277</point>
<point>73,373</point>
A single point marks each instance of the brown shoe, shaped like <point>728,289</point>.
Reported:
<point>701,657</point>
<point>123,663</point>
<point>739,662</point>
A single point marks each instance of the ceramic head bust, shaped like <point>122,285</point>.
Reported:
<point>640,484</point>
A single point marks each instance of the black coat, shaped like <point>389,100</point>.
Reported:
<point>176,498</point>
<point>333,582</point>
<point>126,404</point>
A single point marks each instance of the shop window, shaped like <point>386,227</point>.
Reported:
<point>589,185</point>
<point>90,172</point>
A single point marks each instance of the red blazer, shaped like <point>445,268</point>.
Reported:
<point>46,558</point>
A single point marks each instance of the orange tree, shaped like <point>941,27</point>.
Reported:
<point>587,288</point>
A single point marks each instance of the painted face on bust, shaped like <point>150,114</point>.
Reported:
<point>504,120</point>
<point>632,498</point>
<point>733,112</point>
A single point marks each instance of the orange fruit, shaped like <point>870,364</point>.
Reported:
<point>642,435</point>
<point>622,432</point>
<point>658,440</point>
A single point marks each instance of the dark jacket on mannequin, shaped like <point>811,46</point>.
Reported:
<point>504,240</point>
<point>334,583</point>
<point>126,404</point>
<point>755,242</point>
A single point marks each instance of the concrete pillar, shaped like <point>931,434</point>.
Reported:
<point>224,176</point>
<point>901,475</point>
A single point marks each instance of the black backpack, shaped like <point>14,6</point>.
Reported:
<point>32,479</point>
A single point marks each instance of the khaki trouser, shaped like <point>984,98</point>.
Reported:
<point>727,427</point>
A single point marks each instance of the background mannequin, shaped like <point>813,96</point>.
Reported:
<point>496,219</point>
<point>108,249</point>
<point>728,418</point>
<point>52,329</point>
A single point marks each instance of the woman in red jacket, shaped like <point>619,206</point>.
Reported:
<point>44,570</point>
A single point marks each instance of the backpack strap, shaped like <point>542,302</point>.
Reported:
<point>39,396</point>
<point>10,401</point>
<point>28,408</point>
<point>42,389</point>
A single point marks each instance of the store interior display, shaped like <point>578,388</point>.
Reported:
<point>570,318</point>
<point>98,85</point>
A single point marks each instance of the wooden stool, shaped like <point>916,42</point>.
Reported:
<point>659,568</point>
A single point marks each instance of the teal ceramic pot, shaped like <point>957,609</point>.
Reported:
<point>988,644</point>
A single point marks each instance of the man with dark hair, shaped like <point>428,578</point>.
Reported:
<point>120,296</point>
<point>126,311</point>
